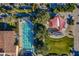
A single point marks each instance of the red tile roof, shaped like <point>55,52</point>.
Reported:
<point>7,39</point>
<point>57,22</point>
<point>1,41</point>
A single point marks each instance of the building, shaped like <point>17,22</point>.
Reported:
<point>57,27</point>
<point>7,40</point>
<point>57,23</point>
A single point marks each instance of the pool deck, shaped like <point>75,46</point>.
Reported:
<point>20,37</point>
<point>20,34</point>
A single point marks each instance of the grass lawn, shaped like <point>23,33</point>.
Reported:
<point>1,20</point>
<point>19,10</point>
<point>14,25</point>
<point>59,46</point>
<point>11,23</point>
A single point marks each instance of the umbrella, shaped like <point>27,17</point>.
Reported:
<point>22,15</point>
<point>25,7</point>
<point>53,5</point>
<point>7,7</point>
<point>4,15</point>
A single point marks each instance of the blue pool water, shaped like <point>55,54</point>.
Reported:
<point>76,53</point>
<point>27,36</point>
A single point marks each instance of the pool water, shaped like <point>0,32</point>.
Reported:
<point>27,36</point>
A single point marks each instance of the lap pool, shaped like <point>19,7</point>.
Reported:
<point>27,36</point>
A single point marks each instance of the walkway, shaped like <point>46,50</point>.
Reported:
<point>76,31</point>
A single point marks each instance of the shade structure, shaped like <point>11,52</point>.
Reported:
<point>7,7</point>
<point>53,5</point>
<point>25,7</point>
<point>22,15</point>
<point>3,15</point>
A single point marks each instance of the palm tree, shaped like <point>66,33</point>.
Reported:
<point>42,17</point>
<point>34,6</point>
<point>41,31</point>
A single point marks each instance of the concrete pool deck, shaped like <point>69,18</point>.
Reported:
<point>20,38</point>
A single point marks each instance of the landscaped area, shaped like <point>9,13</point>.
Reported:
<point>44,32</point>
<point>59,46</point>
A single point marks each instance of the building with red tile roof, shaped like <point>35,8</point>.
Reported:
<point>1,42</point>
<point>7,40</point>
<point>57,23</point>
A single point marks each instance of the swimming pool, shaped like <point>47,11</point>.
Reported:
<point>27,36</point>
